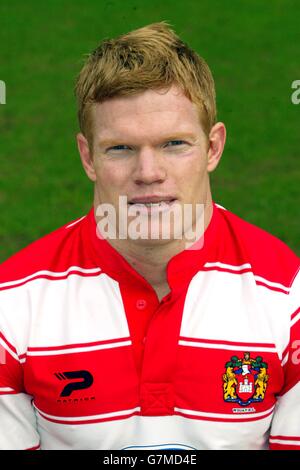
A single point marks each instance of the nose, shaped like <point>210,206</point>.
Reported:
<point>149,167</point>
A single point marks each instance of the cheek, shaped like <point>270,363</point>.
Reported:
<point>192,171</point>
<point>193,180</point>
<point>110,178</point>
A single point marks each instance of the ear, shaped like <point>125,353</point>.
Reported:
<point>217,138</point>
<point>86,157</point>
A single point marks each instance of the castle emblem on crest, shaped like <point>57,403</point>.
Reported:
<point>245,380</point>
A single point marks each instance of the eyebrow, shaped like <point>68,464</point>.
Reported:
<point>122,140</point>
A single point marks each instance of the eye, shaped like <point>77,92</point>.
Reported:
<point>175,143</point>
<point>119,147</point>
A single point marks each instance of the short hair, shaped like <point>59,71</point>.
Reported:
<point>152,57</point>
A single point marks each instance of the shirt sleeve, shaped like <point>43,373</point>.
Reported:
<point>17,418</point>
<point>285,429</point>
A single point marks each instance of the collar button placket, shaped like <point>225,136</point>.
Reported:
<point>157,395</point>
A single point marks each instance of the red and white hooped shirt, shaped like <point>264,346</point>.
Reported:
<point>90,359</point>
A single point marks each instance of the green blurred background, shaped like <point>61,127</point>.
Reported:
<point>253,49</point>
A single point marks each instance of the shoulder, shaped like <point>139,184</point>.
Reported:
<point>268,256</point>
<point>55,252</point>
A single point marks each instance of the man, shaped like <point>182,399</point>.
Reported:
<point>128,328</point>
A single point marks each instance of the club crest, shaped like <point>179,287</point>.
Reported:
<point>245,380</point>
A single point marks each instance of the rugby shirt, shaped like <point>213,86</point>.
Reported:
<point>90,359</point>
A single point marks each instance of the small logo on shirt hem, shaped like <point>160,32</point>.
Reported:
<point>75,401</point>
<point>243,410</point>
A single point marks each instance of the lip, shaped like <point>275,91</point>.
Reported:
<point>152,198</point>
<point>140,205</point>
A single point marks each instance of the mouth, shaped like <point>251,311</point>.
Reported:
<point>152,203</point>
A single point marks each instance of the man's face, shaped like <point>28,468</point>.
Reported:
<point>149,147</point>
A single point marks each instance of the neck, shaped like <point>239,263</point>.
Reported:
<point>150,261</point>
<point>150,258</point>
